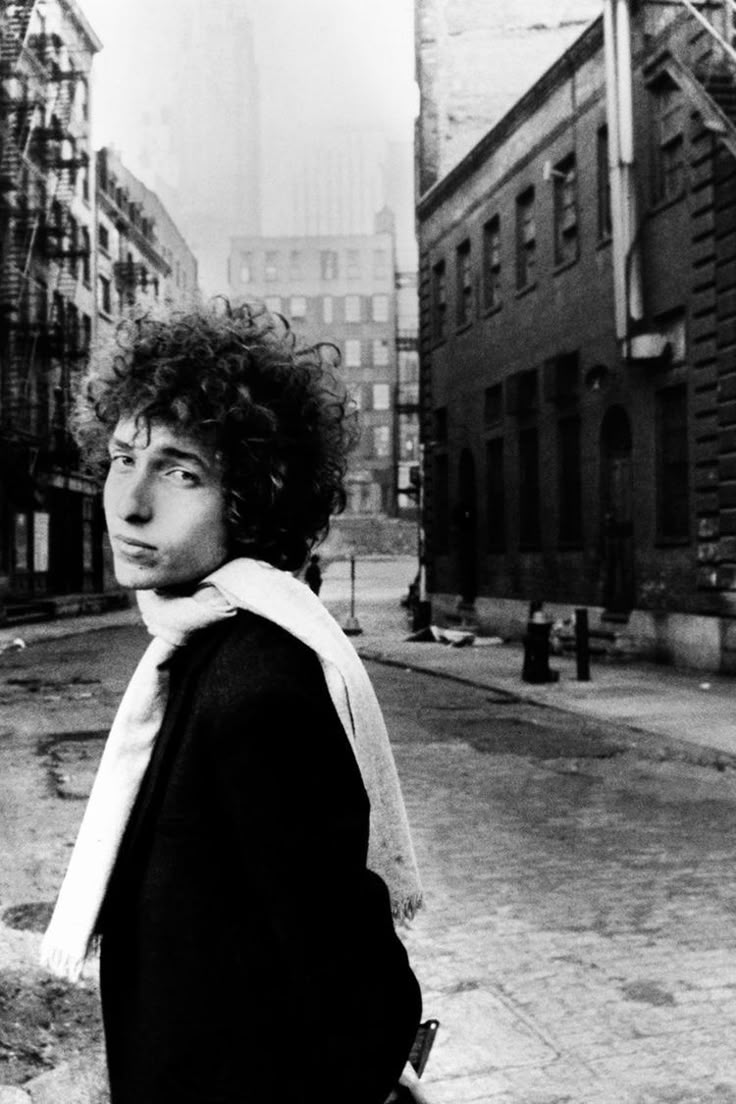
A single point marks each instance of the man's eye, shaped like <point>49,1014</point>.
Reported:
<point>181,475</point>
<point>120,460</point>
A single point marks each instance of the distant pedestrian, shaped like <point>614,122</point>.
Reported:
<point>313,574</point>
<point>245,846</point>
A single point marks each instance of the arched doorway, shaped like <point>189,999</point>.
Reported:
<point>466,514</point>
<point>617,511</point>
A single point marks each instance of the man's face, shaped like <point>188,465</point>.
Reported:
<point>164,507</point>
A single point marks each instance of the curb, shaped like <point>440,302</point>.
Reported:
<point>649,744</point>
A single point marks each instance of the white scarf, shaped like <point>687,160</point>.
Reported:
<point>264,590</point>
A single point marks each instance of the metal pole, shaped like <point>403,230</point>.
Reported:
<point>582,645</point>
<point>352,588</point>
<point>351,626</point>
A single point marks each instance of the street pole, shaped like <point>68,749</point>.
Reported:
<point>351,626</point>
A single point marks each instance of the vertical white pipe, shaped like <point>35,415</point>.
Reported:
<point>632,254</point>
<point>614,163</point>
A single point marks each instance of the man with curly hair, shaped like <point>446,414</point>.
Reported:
<point>245,850</point>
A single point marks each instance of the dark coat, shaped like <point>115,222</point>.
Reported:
<point>248,955</point>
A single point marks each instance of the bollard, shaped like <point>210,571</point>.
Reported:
<point>582,645</point>
<point>536,666</point>
<point>351,626</point>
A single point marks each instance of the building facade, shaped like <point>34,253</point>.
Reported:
<point>142,257</point>
<point>578,345</point>
<point>81,240</point>
<point>339,288</point>
<point>50,520</point>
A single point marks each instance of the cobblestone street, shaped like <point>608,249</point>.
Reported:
<point>577,943</point>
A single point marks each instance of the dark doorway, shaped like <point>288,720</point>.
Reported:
<point>466,514</point>
<point>617,512</point>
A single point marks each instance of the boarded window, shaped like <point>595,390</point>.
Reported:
<point>529,529</point>
<point>570,483</point>
<point>495,496</point>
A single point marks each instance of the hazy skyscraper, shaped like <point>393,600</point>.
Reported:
<point>199,148</point>
<point>336,182</point>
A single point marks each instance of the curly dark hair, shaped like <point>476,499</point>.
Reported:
<point>237,379</point>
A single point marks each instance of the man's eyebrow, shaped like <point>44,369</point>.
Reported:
<point>166,452</point>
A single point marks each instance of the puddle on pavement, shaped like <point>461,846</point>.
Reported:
<point>71,760</point>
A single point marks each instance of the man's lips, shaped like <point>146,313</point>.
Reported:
<point>134,549</point>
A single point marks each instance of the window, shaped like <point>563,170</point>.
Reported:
<point>298,306</point>
<point>605,223</point>
<point>380,308</point>
<point>570,483</point>
<point>105,295</point>
<point>381,396</point>
<point>353,264</point>
<point>440,503</point>
<point>380,353</point>
<point>246,268</point>
<point>327,309</point>
<point>273,303</point>
<point>380,264</point>
<point>492,264</point>
<point>493,405</point>
<point>295,265</point>
<point>526,240</point>
<point>86,334</point>
<point>440,425</point>
<point>356,396</point>
<point>381,441</point>
<point>103,237</point>
<point>328,264</point>
<point>566,211</point>
<point>352,308</point>
<point>439,301</point>
<point>668,178</point>
<point>271,271</point>
<point>529,488</point>
<point>84,176</point>
<point>496,496</point>
<point>673,498</point>
<point>463,285</point>
<point>352,353</point>
<point>86,257</point>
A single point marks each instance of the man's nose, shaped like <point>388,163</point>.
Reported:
<point>134,499</point>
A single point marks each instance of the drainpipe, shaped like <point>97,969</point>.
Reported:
<point>614,165</point>
<point>619,104</point>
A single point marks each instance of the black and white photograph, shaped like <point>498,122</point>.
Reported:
<point>367,551</point>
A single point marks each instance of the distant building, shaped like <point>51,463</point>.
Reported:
<point>578,328</point>
<point>50,518</point>
<point>339,288</point>
<point>200,152</point>
<point>336,181</point>
<point>142,257</point>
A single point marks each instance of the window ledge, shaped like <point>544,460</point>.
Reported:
<point>564,265</point>
<point>488,312</point>
<point>521,292</point>
<point>463,326</point>
<point>664,204</point>
<point>605,242</point>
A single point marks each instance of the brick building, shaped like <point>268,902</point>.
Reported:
<point>50,523</point>
<point>578,344</point>
<point>339,288</point>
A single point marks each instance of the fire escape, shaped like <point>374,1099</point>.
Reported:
<point>42,250</point>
